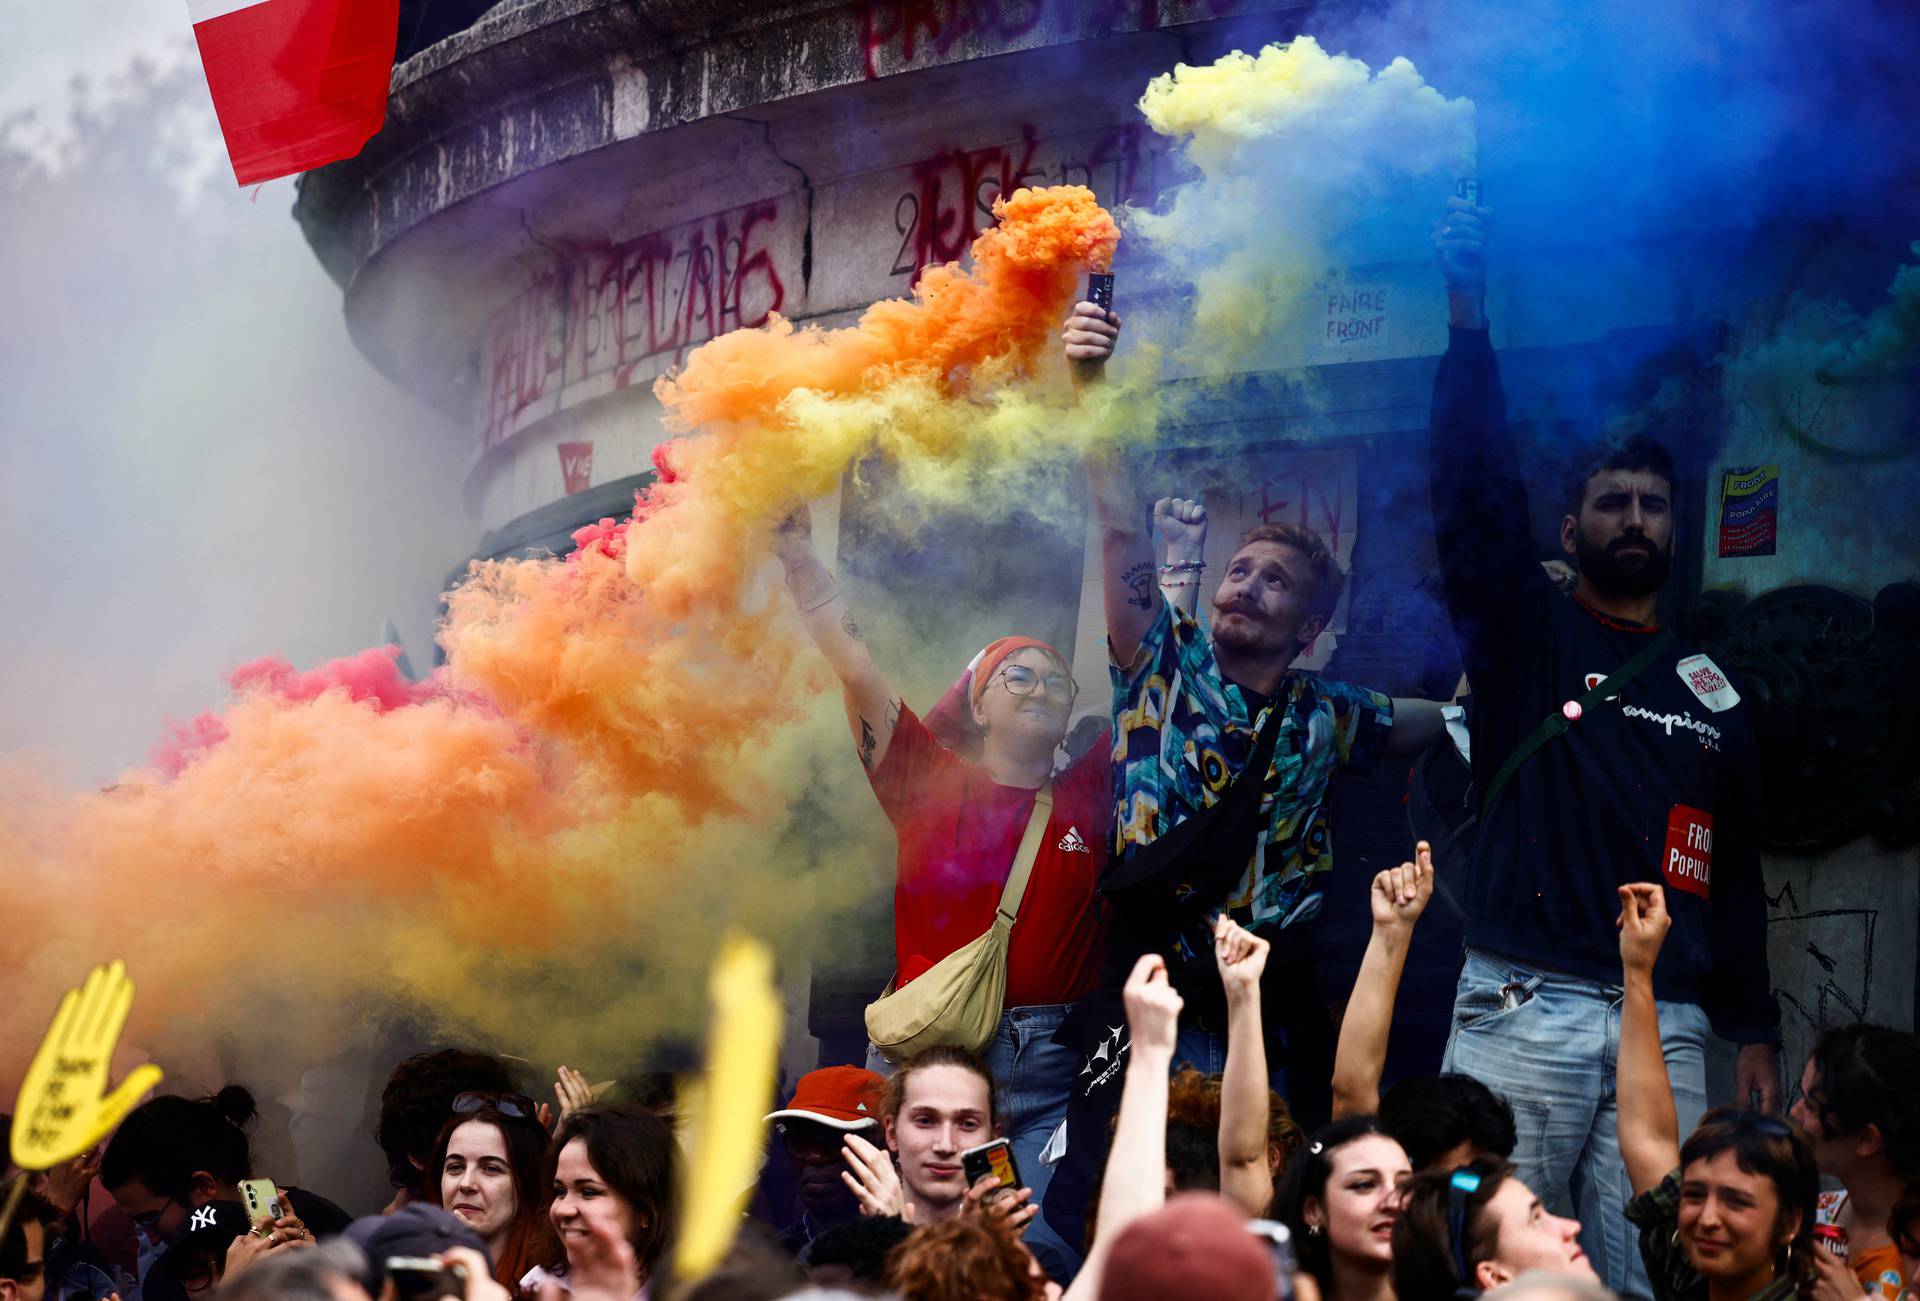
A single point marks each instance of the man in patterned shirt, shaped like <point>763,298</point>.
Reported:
<point>1189,703</point>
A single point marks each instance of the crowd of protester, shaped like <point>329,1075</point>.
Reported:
<point>1105,1067</point>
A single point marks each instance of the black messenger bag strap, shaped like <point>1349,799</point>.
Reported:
<point>1557,722</point>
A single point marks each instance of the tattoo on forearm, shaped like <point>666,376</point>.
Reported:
<point>868,744</point>
<point>893,714</point>
<point>1140,580</point>
<point>852,628</point>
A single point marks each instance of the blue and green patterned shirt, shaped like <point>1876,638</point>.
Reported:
<point>1181,732</point>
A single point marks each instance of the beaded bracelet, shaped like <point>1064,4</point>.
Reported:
<point>1184,567</point>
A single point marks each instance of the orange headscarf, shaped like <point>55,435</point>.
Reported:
<point>951,719</point>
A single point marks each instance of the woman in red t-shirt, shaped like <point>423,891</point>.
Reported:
<point>959,789</point>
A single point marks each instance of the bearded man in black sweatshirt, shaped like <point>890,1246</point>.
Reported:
<point>1604,751</point>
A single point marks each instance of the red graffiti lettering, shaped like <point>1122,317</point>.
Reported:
<point>610,309</point>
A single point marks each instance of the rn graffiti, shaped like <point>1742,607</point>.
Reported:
<point>611,309</point>
<point>950,194</point>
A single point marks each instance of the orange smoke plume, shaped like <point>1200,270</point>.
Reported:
<point>535,847</point>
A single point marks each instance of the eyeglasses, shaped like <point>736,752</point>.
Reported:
<point>151,1219</point>
<point>1023,681</point>
<point>1462,1185</point>
<point>517,1105</point>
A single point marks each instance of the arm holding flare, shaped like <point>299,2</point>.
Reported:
<point>873,708</point>
<point>1131,593</point>
<point>1493,588</point>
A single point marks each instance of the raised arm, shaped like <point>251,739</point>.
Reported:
<point>1181,524</point>
<point>872,706</point>
<point>1399,896</point>
<point>1479,495</point>
<point>1245,1094</point>
<point>1126,552</point>
<point>1649,1128</point>
<point>1135,1182</point>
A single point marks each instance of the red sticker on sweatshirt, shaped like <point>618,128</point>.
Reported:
<point>1688,858</point>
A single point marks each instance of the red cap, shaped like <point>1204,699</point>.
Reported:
<point>1196,1245</point>
<point>839,1097</point>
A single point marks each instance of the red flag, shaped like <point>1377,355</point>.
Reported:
<point>297,83</point>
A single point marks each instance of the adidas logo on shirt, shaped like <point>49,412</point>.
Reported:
<point>1073,843</point>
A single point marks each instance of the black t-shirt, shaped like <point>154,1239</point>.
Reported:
<point>322,1217</point>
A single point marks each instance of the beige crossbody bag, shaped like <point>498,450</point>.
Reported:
<point>959,999</point>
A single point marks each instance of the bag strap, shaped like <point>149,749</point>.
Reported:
<point>1557,722</point>
<point>1029,851</point>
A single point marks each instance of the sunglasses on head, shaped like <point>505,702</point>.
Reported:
<point>517,1105</point>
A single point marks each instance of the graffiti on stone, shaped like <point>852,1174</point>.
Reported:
<point>624,312</point>
<point>949,195</point>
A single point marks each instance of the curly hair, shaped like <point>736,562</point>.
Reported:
<point>1431,1115</point>
<point>419,1098</point>
<point>962,1260</point>
<point>1194,1099</point>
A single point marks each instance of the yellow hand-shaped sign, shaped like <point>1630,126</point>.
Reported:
<point>63,1108</point>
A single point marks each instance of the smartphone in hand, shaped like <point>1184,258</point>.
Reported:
<point>996,1159</point>
<point>263,1202</point>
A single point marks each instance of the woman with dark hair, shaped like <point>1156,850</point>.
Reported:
<point>1339,1199</point>
<point>1858,1110</point>
<point>490,1165</point>
<point>610,1170</point>
<point>1474,1228</point>
<point>173,1156</point>
<point>1733,1208</point>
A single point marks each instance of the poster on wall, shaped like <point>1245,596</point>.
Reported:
<point>1749,511</point>
<point>576,466</point>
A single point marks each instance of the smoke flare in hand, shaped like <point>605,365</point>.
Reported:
<point>530,847</point>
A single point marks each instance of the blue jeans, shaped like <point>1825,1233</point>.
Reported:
<point>1550,1049</point>
<point>1206,1052</point>
<point>1032,1077</point>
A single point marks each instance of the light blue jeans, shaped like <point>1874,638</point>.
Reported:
<point>1550,1047</point>
<point>1032,1078</point>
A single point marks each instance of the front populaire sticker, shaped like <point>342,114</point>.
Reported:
<point>1687,860</point>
